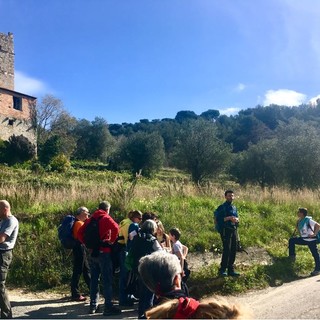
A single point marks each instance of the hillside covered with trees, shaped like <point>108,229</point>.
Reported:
<point>266,146</point>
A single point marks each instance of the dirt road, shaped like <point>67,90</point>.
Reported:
<point>295,300</point>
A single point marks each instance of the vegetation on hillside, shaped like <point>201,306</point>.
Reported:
<point>41,201</point>
<point>256,146</point>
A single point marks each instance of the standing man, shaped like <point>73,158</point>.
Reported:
<point>9,227</point>
<point>226,221</point>
<point>80,260</point>
<point>102,263</point>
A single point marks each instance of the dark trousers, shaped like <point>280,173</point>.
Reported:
<point>146,298</point>
<point>80,266</point>
<point>229,241</point>
<point>5,306</point>
<point>123,296</point>
<point>312,247</point>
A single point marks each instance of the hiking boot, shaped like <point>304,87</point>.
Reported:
<point>223,274</point>
<point>315,273</point>
<point>79,299</point>
<point>233,274</point>
<point>111,311</point>
<point>94,309</point>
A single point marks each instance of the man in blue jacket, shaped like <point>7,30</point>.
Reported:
<point>227,220</point>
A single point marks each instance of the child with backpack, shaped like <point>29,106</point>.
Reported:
<point>308,230</point>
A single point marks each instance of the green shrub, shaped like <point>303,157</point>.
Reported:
<point>60,163</point>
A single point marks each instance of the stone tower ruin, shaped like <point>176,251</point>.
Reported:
<point>6,61</point>
<point>15,107</point>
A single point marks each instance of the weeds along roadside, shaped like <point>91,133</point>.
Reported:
<point>40,202</point>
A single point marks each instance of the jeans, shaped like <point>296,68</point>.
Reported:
<point>80,266</point>
<point>5,306</point>
<point>312,247</point>
<point>101,265</point>
<point>229,241</point>
<point>123,296</point>
<point>146,298</point>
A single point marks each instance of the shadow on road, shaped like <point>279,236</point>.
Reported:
<point>62,309</point>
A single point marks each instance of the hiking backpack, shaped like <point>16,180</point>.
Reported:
<point>65,232</point>
<point>91,235</point>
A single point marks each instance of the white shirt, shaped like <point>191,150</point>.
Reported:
<point>177,247</point>
<point>306,231</point>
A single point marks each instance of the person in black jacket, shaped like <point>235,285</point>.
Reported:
<point>144,244</point>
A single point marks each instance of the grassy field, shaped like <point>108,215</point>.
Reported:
<point>40,202</point>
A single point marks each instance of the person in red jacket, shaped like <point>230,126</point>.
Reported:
<point>102,263</point>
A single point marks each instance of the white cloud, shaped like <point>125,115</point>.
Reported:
<point>240,87</point>
<point>314,101</point>
<point>284,97</point>
<point>229,111</point>
<point>28,85</point>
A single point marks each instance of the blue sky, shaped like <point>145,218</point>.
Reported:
<point>126,60</point>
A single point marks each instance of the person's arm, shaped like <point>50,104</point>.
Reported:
<point>3,237</point>
<point>185,250</point>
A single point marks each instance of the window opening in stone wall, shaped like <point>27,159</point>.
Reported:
<point>11,121</point>
<point>17,103</point>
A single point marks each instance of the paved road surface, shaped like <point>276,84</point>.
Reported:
<point>295,300</point>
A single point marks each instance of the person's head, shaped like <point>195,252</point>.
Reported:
<point>212,308</point>
<point>174,234</point>
<point>161,272</point>
<point>5,209</point>
<point>149,227</point>
<point>82,213</point>
<point>302,212</point>
<point>160,230</point>
<point>135,216</point>
<point>105,206</point>
<point>229,195</point>
<point>149,216</point>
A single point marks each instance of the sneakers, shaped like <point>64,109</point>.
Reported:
<point>79,299</point>
<point>111,311</point>
<point>233,274</point>
<point>315,273</point>
<point>94,309</point>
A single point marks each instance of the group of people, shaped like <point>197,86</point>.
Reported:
<point>151,263</point>
<point>121,247</point>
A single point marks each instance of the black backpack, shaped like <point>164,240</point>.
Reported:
<point>91,236</point>
<point>65,232</point>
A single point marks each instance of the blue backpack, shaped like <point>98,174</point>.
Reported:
<point>65,232</point>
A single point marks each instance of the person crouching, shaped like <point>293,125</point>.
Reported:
<point>161,273</point>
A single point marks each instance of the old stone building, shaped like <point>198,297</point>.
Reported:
<point>15,107</point>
